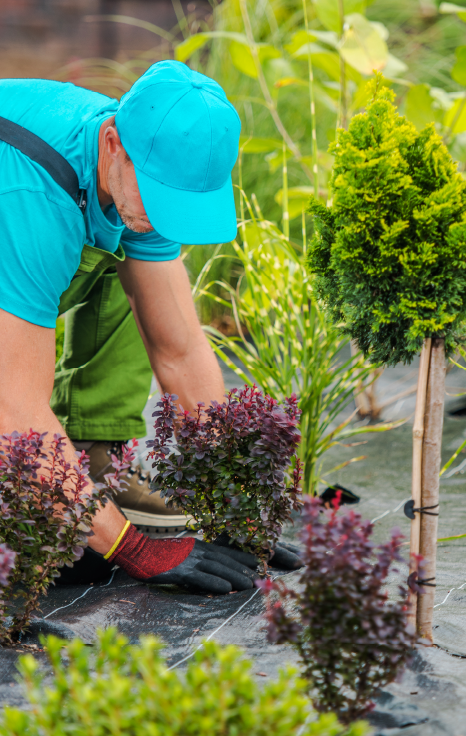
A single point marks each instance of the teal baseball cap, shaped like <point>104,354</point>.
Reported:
<point>182,136</point>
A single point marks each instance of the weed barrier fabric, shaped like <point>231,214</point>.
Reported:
<point>430,698</point>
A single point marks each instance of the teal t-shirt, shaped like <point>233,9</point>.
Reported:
<point>42,230</point>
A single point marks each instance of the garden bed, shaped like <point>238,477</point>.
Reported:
<point>429,699</point>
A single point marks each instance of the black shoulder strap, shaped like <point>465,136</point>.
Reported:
<point>39,151</point>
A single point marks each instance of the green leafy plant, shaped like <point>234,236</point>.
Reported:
<point>389,254</point>
<point>288,343</point>
<point>118,688</point>
<point>47,506</point>
<point>350,638</point>
<point>59,338</point>
<point>277,58</point>
<point>208,267</point>
<point>229,468</point>
<point>389,260</point>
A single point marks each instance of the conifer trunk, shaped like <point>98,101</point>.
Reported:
<point>418,436</point>
<point>365,397</point>
<point>431,457</point>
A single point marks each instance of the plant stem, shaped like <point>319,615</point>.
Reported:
<point>309,454</point>
<point>315,164</point>
<point>272,21</point>
<point>303,231</point>
<point>431,456</point>
<point>416,485</point>
<point>265,91</point>
<point>180,17</point>
<point>128,20</point>
<point>286,214</point>
<point>361,399</point>
<point>241,194</point>
<point>449,133</point>
<point>343,102</point>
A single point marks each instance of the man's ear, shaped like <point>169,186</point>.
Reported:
<point>113,143</point>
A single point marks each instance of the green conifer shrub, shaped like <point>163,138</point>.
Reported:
<point>118,688</point>
<point>389,253</point>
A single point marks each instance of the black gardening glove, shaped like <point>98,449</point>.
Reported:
<point>285,556</point>
<point>211,569</point>
<point>90,568</point>
<point>182,561</point>
<point>179,561</point>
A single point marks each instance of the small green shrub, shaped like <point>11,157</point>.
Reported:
<point>389,254</point>
<point>59,338</point>
<point>116,688</point>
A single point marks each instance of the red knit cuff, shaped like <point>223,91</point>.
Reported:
<point>143,558</point>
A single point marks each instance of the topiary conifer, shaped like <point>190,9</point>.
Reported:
<point>389,253</point>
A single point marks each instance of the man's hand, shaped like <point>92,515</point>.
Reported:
<point>204,568</point>
<point>185,561</point>
<point>212,569</point>
<point>284,557</point>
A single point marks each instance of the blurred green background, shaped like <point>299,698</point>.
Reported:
<point>261,53</point>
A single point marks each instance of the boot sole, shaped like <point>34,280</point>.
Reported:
<point>155,522</point>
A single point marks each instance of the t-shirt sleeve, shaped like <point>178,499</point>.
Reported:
<point>149,246</point>
<point>40,250</point>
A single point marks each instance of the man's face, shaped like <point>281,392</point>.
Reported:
<point>123,188</point>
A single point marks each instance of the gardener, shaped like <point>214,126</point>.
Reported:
<point>155,172</point>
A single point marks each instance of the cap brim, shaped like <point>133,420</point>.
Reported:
<point>189,218</point>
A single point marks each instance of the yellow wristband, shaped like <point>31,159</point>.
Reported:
<point>118,540</point>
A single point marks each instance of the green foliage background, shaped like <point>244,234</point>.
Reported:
<point>419,45</point>
<point>389,255</point>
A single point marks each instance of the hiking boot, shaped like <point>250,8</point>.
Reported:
<point>145,510</point>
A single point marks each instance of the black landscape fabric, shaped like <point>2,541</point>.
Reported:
<point>430,698</point>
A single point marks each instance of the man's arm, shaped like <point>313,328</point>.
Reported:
<point>27,366</point>
<point>180,355</point>
<point>27,361</point>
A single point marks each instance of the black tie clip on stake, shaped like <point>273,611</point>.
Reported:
<point>409,512</point>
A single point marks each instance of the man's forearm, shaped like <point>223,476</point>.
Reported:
<point>180,355</point>
<point>194,376</point>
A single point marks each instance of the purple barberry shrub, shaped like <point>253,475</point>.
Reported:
<point>46,509</point>
<point>7,563</point>
<point>351,639</point>
<point>233,466</point>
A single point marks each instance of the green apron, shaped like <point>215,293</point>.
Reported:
<point>103,378</point>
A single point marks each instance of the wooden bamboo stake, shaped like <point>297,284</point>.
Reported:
<point>416,485</point>
<point>431,457</point>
